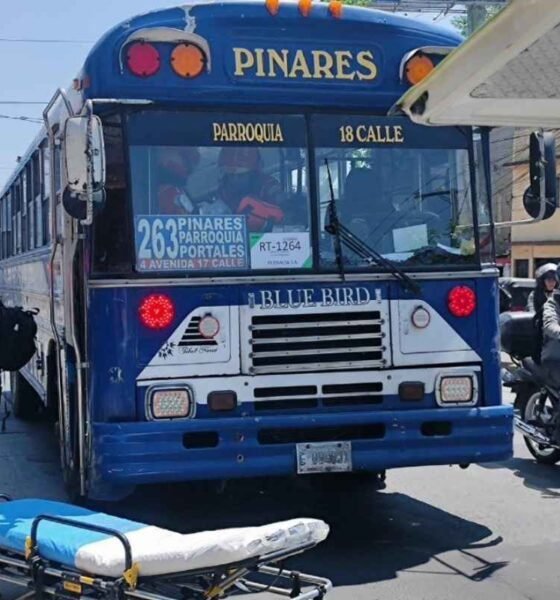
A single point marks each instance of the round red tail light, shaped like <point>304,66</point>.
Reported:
<point>143,60</point>
<point>156,311</point>
<point>461,301</point>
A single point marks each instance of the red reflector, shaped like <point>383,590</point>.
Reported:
<point>156,311</point>
<point>143,59</point>
<point>461,301</point>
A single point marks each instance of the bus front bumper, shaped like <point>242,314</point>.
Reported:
<point>227,448</point>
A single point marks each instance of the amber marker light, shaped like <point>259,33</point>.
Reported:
<point>273,6</point>
<point>417,68</point>
<point>188,60</point>
<point>335,8</point>
<point>305,7</point>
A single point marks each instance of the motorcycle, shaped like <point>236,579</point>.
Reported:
<point>537,404</point>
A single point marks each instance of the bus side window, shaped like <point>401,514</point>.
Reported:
<point>35,202</point>
<point>3,201</point>
<point>30,204</point>
<point>23,208</point>
<point>16,217</point>
<point>8,215</point>
<point>45,193</point>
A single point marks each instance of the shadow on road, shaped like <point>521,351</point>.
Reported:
<point>545,478</point>
<point>373,535</point>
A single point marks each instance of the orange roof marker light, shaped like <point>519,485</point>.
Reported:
<point>418,68</point>
<point>188,60</point>
<point>305,7</point>
<point>335,8</point>
<point>273,6</point>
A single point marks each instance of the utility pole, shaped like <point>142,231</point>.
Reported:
<point>476,16</point>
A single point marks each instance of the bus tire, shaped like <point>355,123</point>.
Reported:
<point>26,404</point>
<point>52,386</point>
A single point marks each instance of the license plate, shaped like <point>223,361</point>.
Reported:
<point>324,457</point>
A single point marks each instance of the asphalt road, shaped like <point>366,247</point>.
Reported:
<point>435,533</point>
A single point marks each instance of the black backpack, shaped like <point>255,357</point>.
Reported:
<point>17,337</point>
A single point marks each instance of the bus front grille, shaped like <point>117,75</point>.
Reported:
<point>317,342</point>
<point>305,397</point>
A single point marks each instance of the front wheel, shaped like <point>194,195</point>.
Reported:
<point>528,405</point>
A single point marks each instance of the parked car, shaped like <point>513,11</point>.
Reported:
<point>514,292</point>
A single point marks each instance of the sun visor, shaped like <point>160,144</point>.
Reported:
<point>506,74</point>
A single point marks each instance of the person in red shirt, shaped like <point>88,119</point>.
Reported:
<point>245,189</point>
<point>175,165</point>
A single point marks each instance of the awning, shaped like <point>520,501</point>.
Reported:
<point>506,74</point>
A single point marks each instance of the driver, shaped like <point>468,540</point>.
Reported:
<point>175,165</point>
<point>245,189</point>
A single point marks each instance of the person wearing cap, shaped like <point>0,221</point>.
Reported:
<point>245,189</point>
<point>175,165</point>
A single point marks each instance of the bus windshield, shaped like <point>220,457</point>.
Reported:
<point>220,192</point>
<point>405,195</point>
<point>231,192</point>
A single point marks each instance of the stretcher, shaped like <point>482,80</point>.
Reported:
<point>60,550</point>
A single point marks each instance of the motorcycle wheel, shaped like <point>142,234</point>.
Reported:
<point>527,404</point>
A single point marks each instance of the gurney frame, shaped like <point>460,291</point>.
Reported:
<point>44,579</point>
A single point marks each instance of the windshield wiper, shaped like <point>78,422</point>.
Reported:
<point>344,236</point>
<point>333,225</point>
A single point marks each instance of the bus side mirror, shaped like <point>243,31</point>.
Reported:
<point>540,199</point>
<point>84,155</point>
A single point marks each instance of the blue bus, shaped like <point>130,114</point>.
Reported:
<point>243,266</point>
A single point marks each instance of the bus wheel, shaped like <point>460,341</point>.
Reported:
<point>25,401</point>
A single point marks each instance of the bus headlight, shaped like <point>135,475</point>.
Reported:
<point>457,390</point>
<point>170,403</point>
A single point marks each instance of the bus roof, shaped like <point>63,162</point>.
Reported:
<point>506,74</point>
<point>253,57</point>
<point>317,61</point>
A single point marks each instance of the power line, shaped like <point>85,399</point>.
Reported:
<point>41,41</point>
<point>22,102</point>
<point>35,120</point>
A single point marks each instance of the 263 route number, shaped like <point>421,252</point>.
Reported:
<point>159,239</point>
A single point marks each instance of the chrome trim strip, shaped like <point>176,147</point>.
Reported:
<point>268,279</point>
<point>314,324</point>
<point>257,354</point>
<point>319,367</point>
<point>314,338</point>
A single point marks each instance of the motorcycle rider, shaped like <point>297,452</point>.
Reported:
<point>550,356</point>
<point>546,282</point>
